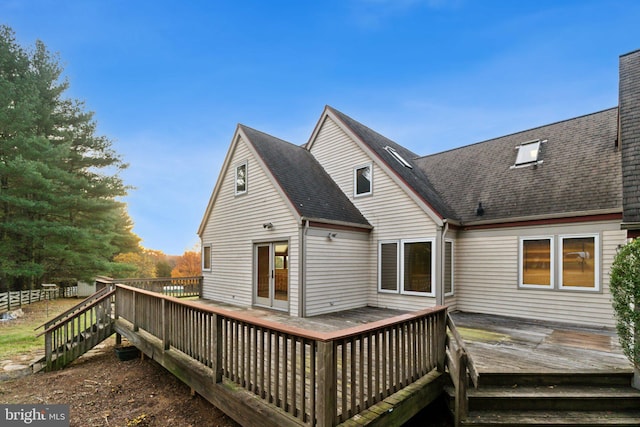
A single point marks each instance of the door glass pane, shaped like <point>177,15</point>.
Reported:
<point>389,266</point>
<point>263,271</point>
<point>417,267</point>
<point>536,262</point>
<point>578,262</point>
<point>281,263</point>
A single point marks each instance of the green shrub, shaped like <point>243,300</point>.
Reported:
<point>625,292</point>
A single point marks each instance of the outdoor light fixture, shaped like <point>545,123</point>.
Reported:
<point>332,236</point>
<point>267,225</point>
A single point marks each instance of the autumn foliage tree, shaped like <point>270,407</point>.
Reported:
<point>187,265</point>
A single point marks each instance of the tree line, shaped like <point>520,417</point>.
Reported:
<point>62,217</point>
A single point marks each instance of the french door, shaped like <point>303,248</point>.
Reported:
<point>271,263</point>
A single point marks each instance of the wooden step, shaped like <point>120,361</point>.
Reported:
<point>600,378</point>
<point>554,398</point>
<point>545,418</point>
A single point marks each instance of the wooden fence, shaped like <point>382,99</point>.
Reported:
<point>17,299</point>
<point>318,378</point>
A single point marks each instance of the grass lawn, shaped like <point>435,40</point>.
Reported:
<point>18,336</point>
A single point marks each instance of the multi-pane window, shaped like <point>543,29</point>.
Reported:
<point>579,261</point>
<point>571,261</point>
<point>536,256</point>
<point>206,257</point>
<point>362,180</point>
<point>407,266</point>
<point>241,179</point>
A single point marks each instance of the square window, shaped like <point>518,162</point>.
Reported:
<point>536,262</point>
<point>363,180</point>
<point>528,153</point>
<point>241,179</point>
<point>579,262</point>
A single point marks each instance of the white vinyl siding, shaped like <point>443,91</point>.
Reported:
<point>334,272</point>
<point>487,276</point>
<point>236,223</point>
<point>393,214</point>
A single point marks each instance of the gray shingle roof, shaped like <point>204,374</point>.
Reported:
<point>414,177</point>
<point>309,188</point>
<point>581,171</point>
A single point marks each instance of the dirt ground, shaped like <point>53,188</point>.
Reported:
<point>104,391</point>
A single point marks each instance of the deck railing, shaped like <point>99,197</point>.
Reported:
<point>461,368</point>
<point>318,378</point>
<point>174,286</point>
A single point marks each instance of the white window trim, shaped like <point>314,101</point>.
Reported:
<point>210,257</point>
<point>400,264</point>
<point>552,257</point>
<point>453,268</point>
<point>433,263</point>
<point>355,180</point>
<point>246,178</point>
<point>389,291</point>
<point>596,263</point>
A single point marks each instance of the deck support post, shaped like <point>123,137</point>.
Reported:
<point>216,346</point>
<point>166,323</point>
<point>326,401</point>
<point>462,384</point>
<point>136,328</point>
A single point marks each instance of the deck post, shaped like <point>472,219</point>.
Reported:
<point>462,402</point>
<point>166,322</point>
<point>216,346</point>
<point>326,402</point>
<point>441,339</point>
<point>136,328</point>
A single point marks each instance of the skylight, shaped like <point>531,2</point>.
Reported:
<point>528,153</point>
<point>398,157</point>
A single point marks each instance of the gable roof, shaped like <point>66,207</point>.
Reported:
<point>311,191</point>
<point>415,178</point>
<point>580,173</point>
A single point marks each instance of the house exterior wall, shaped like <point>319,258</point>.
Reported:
<point>335,269</point>
<point>487,275</point>
<point>393,214</point>
<point>235,225</point>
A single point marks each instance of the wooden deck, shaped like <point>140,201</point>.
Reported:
<point>504,344</point>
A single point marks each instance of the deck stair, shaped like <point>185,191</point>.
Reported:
<point>559,399</point>
<point>76,331</point>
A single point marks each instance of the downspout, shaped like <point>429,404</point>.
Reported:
<point>302,276</point>
<point>443,247</point>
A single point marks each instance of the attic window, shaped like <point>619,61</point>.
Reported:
<point>398,157</point>
<point>528,153</point>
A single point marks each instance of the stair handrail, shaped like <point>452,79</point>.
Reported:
<point>91,298</point>
<point>461,368</point>
<point>82,308</point>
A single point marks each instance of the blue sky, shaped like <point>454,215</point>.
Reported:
<point>169,80</point>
